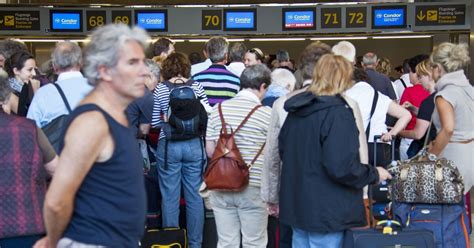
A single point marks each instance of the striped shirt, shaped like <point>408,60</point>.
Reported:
<point>219,83</point>
<point>162,102</point>
<point>250,138</point>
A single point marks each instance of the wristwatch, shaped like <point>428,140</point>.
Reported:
<point>432,157</point>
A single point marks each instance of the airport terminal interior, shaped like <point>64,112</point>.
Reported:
<point>393,29</point>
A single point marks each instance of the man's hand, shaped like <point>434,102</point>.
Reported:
<point>273,209</point>
<point>383,174</point>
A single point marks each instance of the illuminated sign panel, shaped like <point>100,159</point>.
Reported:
<point>389,17</point>
<point>152,20</point>
<point>298,19</point>
<point>240,20</point>
<point>66,21</point>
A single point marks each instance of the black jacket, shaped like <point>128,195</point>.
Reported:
<point>322,177</point>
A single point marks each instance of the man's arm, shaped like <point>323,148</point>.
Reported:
<point>77,158</point>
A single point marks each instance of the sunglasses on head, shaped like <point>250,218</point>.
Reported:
<point>257,52</point>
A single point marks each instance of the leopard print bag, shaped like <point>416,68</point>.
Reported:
<point>420,180</point>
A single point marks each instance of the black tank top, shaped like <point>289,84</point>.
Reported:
<point>110,205</point>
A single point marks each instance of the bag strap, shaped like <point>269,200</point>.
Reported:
<point>428,133</point>
<point>372,111</point>
<point>63,97</point>
<point>256,156</point>
<point>403,82</point>
<point>219,107</point>
<point>247,118</point>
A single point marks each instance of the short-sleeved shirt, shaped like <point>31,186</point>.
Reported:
<point>415,95</point>
<point>47,103</point>
<point>250,138</point>
<point>424,113</point>
<point>363,94</point>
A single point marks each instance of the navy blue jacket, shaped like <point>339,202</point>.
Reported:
<point>322,177</point>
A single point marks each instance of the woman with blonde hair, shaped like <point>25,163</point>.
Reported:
<point>423,114</point>
<point>454,115</point>
<point>317,175</point>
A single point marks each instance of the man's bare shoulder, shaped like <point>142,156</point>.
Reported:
<point>89,124</point>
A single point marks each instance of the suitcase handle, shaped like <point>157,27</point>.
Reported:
<point>392,146</point>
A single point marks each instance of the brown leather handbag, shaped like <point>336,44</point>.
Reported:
<point>227,170</point>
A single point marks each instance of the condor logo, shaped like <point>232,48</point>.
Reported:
<point>392,15</point>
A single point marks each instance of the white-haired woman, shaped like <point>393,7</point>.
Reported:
<point>283,82</point>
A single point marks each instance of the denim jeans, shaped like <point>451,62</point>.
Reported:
<point>240,213</point>
<point>304,239</point>
<point>185,167</point>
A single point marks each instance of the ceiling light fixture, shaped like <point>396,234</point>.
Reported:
<point>341,38</point>
<point>402,37</point>
<point>278,39</point>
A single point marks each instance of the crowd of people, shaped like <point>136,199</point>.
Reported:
<point>305,127</point>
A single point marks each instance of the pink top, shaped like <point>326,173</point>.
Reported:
<point>415,95</point>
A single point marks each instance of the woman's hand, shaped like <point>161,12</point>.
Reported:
<point>384,175</point>
<point>386,137</point>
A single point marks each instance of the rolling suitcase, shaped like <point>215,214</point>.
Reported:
<point>379,192</point>
<point>391,235</point>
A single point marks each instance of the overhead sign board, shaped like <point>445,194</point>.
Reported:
<point>389,17</point>
<point>331,18</point>
<point>65,20</point>
<point>20,20</point>
<point>152,20</point>
<point>95,18</point>
<point>299,19</point>
<point>356,17</point>
<point>211,19</point>
<point>122,16</point>
<point>240,19</point>
<point>437,15</point>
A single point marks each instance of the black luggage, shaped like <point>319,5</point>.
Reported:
<point>167,237</point>
<point>380,191</point>
<point>387,233</point>
<point>373,238</point>
<point>209,236</point>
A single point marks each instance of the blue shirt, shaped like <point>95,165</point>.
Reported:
<point>48,105</point>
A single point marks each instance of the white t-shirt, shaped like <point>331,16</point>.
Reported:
<point>199,67</point>
<point>398,85</point>
<point>363,94</point>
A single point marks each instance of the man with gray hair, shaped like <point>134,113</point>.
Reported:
<point>236,54</point>
<point>379,81</point>
<point>243,214</point>
<point>97,195</point>
<point>283,58</point>
<point>219,83</point>
<point>47,104</point>
<point>8,47</point>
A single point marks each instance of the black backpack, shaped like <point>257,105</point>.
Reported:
<point>54,129</point>
<point>187,117</point>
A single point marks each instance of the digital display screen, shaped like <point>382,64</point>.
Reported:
<point>66,21</point>
<point>394,17</point>
<point>298,19</point>
<point>155,21</point>
<point>240,20</point>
